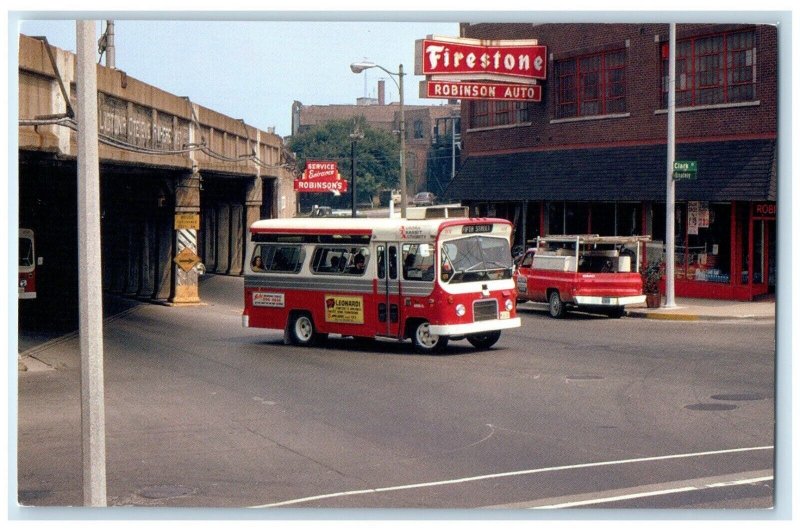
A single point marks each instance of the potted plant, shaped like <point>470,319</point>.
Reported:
<point>651,277</point>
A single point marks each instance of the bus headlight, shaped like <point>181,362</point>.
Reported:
<point>461,310</point>
<point>23,283</point>
<point>509,304</point>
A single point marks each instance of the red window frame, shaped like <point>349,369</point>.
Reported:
<point>712,69</point>
<point>591,85</point>
<point>490,113</point>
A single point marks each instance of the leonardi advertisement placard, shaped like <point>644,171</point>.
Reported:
<point>473,69</point>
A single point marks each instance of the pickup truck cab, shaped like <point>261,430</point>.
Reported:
<point>588,272</point>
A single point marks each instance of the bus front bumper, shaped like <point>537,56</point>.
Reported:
<point>475,328</point>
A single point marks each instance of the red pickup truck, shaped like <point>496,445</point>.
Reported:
<point>588,272</point>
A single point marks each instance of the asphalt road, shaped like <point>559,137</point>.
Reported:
<point>581,413</point>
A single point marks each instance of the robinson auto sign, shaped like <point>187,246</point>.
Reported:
<point>483,91</point>
<point>461,68</point>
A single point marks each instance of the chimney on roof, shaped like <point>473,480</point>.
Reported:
<point>381,92</point>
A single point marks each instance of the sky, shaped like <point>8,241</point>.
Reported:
<point>255,69</point>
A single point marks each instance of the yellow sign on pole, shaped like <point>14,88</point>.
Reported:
<point>187,220</point>
<point>187,259</point>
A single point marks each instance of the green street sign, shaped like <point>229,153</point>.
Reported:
<point>684,175</point>
<point>684,170</point>
<point>689,166</point>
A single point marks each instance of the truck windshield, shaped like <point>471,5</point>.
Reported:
<point>476,258</point>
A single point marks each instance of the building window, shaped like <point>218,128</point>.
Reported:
<point>590,85</point>
<point>486,113</point>
<point>712,69</point>
<point>419,132</point>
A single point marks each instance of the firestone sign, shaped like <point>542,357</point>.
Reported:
<point>321,176</point>
<point>521,59</point>
<point>474,69</point>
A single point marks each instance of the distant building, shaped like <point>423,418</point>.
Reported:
<point>420,124</point>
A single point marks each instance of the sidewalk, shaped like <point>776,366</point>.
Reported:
<point>707,310</point>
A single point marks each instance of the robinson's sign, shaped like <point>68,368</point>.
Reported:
<point>321,176</point>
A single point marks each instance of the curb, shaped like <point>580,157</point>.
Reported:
<point>695,317</point>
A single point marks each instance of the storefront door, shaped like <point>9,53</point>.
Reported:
<point>764,239</point>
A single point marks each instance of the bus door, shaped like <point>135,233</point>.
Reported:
<point>388,291</point>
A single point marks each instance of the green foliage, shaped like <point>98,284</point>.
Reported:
<point>377,159</point>
<point>651,276</point>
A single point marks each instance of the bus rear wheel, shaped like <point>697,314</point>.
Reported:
<point>426,342</point>
<point>484,340</point>
<point>301,330</point>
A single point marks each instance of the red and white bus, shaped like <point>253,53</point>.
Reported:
<point>27,264</point>
<point>430,280</point>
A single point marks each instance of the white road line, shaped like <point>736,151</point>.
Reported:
<point>653,493</point>
<point>507,474</point>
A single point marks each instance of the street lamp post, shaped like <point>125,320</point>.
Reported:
<point>359,67</point>
<point>355,136</point>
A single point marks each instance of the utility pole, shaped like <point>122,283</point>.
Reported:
<point>90,294</point>
<point>670,236</point>
<point>403,185</point>
<point>111,52</point>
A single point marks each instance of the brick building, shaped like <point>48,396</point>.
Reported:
<point>591,156</point>
<point>420,124</point>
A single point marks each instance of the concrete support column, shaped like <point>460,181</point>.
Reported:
<point>252,203</point>
<point>118,257</point>
<point>187,201</point>
<point>164,236</point>
<point>147,280</point>
<point>223,238</point>
<point>237,240</point>
<point>133,230</point>
<point>209,239</point>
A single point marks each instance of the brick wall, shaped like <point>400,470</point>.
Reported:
<point>644,121</point>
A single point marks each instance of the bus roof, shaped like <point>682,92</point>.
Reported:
<point>381,228</point>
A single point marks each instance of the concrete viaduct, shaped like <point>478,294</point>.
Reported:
<point>177,180</point>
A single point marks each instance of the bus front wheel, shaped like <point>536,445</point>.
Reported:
<point>426,342</point>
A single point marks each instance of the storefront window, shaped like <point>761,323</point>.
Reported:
<point>628,219</point>
<point>604,219</point>
<point>705,254</point>
<point>555,217</point>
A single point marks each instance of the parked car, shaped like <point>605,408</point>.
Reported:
<point>424,199</point>
<point>589,272</point>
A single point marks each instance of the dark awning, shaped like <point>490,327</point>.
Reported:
<point>727,171</point>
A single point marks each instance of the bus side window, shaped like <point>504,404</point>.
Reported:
<point>393,262</point>
<point>279,258</point>
<point>381,262</point>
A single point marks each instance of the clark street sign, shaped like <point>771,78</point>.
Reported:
<point>684,170</point>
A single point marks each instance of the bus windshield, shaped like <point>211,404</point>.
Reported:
<point>25,252</point>
<point>476,258</point>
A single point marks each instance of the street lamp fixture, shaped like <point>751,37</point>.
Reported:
<point>359,67</point>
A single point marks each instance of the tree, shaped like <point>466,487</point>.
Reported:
<point>377,159</point>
